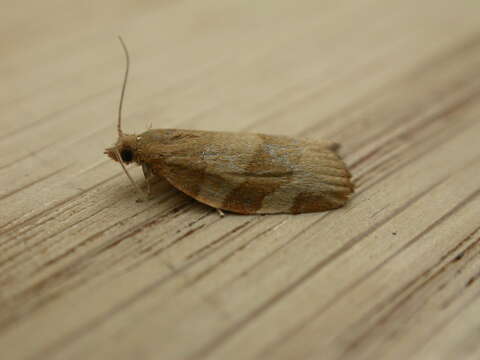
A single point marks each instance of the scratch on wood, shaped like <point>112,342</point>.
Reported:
<point>236,229</point>
<point>229,255</point>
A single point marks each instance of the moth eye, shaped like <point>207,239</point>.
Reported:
<point>127,155</point>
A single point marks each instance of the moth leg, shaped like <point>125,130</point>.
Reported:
<point>220,212</point>
<point>149,175</point>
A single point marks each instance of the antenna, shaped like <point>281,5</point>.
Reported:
<point>127,58</point>
<point>119,124</point>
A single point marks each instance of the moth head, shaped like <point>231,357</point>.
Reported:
<point>125,150</point>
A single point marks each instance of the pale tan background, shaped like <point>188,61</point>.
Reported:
<point>88,273</point>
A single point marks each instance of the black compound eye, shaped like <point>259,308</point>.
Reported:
<point>127,155</point>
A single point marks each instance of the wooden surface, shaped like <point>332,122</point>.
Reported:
<point>88,273</point>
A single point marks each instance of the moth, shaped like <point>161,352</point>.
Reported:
<point>243,173</point>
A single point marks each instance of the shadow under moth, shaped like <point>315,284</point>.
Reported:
<point>239,172</point>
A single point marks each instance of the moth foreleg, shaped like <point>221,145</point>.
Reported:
<point>149,175</point>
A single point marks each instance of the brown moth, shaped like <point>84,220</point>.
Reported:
<point>240,172</point>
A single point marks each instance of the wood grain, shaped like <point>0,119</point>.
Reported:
<point>88,273</point>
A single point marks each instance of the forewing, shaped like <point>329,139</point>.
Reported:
<point>254,173</point>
